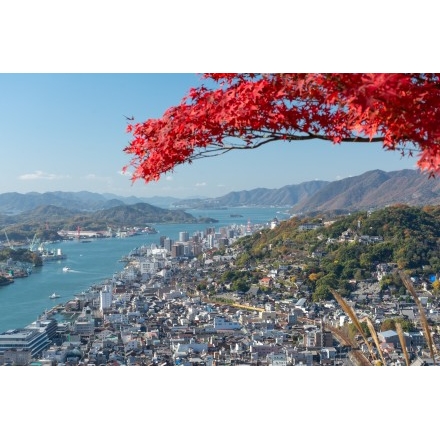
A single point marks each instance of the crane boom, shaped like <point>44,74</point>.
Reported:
<point>7,240</point>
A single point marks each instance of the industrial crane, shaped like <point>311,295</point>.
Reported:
<point>33,243</point>
<point>7,240</point>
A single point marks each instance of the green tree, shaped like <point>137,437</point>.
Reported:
<point>324,286</point>
<point>353,331</point>
<point>322,293</point>
<point>390,324</point>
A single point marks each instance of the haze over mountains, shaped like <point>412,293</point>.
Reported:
<point>286,196</point>
<point>16,203</point>
<point>373,189</point>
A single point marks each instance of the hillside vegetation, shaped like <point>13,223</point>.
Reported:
<point>47,220</point>
<point>350,247</point>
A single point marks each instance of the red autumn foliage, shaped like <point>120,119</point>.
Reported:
<point>245,111</point>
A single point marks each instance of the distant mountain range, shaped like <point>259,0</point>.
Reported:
<point>16,203</point>
<point>373,189</point>
<point>286,196</point>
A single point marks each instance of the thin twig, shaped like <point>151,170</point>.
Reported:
<point>375,338</point>
<point>402,342</point>
<point>424,322</point>
<point>350,312</point>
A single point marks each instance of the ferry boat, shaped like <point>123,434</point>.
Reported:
<point>54,295</point>
<point>66,269</point>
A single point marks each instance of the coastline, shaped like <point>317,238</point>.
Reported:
<point>95,262</point>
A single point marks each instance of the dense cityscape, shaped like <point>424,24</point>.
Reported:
<point>175,303</point>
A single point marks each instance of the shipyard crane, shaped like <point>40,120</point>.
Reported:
<point>7,240</point>
<point>33,243</point>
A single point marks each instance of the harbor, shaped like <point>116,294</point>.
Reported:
<point>151,313</point>
<point>22,301</point>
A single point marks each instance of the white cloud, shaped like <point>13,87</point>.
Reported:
<point>91,177</point>
<point>169,178</point>
<point>125,174</point>
<point>41,175</point>
<point>201,184</point>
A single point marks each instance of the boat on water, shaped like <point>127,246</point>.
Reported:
<point>51,255</point>
<point>149,230</point>
<point>54,295</point>
<point>66,269</point>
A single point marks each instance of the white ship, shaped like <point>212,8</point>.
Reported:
<point>51,255</point>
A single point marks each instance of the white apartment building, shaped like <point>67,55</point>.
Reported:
<point>105,298</point>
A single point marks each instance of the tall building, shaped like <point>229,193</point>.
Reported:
<point>197,237</point>
<point>184,236</point>
<point>210,230</point>
<point>105,298</point>
<point>177,250</point>
<point>162,240</point>
<point>168,243</point>
<point>197,249</point>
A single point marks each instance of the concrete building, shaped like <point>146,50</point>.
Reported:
<point>105,298</point>
<point>34,340</point>
<point>183,236</point>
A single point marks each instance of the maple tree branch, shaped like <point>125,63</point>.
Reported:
<point>220,149</point>
<point>248,111</point>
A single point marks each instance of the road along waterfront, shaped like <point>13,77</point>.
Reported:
<point>95,261</point>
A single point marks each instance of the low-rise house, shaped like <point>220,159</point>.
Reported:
<point>266,282</point>
<point>391,337</point>
<point>263,350</point>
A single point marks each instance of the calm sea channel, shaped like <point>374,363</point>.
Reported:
<point>96,261</point>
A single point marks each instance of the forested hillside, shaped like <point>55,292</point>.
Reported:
<point>46,221</point>
<point>350,247</point>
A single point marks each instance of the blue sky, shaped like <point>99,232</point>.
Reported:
<point>66,132</point>
<point>69,74</point>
